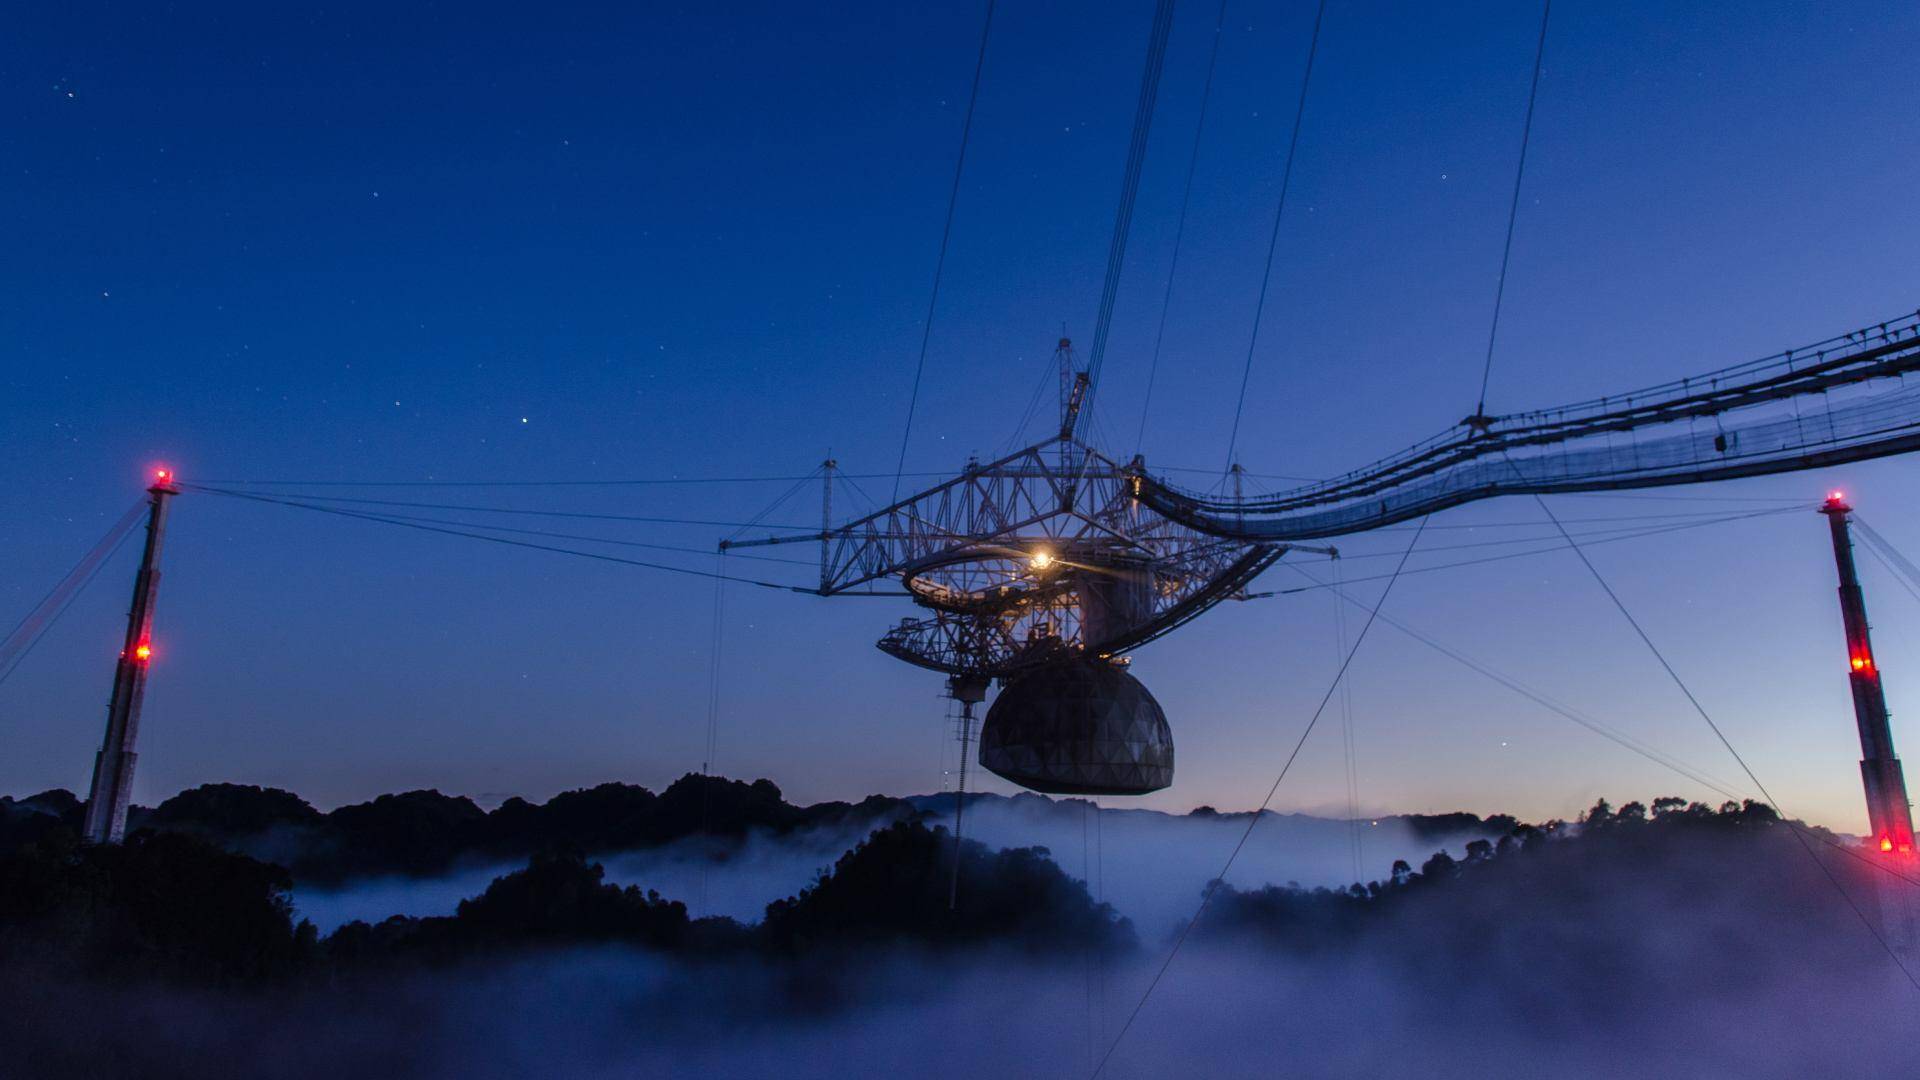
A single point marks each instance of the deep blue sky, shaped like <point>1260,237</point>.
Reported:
<point>370,242</point>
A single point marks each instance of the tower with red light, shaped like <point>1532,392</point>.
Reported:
<point>112,790</point>
<point>1888,813</point>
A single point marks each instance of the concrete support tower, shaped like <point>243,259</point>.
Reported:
<point>1888,813</point>
<point>112,791</point>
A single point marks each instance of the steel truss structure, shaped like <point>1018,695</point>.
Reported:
<point>1057,550</point>
<point>1043,552</point>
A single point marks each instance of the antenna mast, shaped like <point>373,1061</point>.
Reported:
<point>826,520</point>
<point>112,791</point>
<point>1073,388</point>
<point>1888,812</point>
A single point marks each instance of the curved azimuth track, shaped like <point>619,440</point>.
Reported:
<point>1042,553</point>
<point>1841,400</point>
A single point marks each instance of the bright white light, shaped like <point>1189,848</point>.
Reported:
<point>1040,560</point>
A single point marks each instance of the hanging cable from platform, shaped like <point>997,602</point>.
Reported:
<point>1513,214</point>
<point>1129,190</point>
<point>716,643</point>
<point>1206,897</point>
<point>1180,228</point>
<point>1273,239</point>
<point>1347,741</point>
<point>946,237</point>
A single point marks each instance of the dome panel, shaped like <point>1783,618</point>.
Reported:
<point>1078,727</point>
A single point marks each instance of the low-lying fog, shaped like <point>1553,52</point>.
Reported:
<point>1151,866</point>
<point>1709,948</point>
<point>611,1013</point>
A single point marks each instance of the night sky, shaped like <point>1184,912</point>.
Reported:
<point>375,243</point>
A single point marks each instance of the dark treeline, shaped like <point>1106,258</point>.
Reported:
<point>425,832</point>
<point>174,903</point>
<point>1695,856</point>
<point>1424,826</point>
<point>890,890</point>
<point>174,906</point>
<point>1556,932</point>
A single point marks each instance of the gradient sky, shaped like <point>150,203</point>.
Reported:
<point>375,242</point>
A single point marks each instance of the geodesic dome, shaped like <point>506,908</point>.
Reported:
<point>1078,727</point>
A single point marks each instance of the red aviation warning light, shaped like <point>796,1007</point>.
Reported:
<point>143,652</point>
<point>1889,817</point>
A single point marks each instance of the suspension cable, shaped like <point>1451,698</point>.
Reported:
<point>591,539</point>
<point>717,646</point>
<point>651,481</point>
<point>1558,546</point>
<point>1898,577</point>
<point>1273,241</point>
<point>1679,767</point>
<point>1129,190</point>
<point>946,236</point>
<point>403,523</point>
<point>1881,548</point>
<point>1617,532</point>
<point>1213,886</point>
<point>32,627</point>
<point>517,511</point>
<point>1605,731</point>
<point>1180,229</point>
<point>716,642</point>
<point>1724,741</point>
<point>1348,745</point>
<point>1091,945</point>
<point>1513,211</point>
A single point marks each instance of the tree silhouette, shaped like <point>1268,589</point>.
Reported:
<point>894,886</point>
